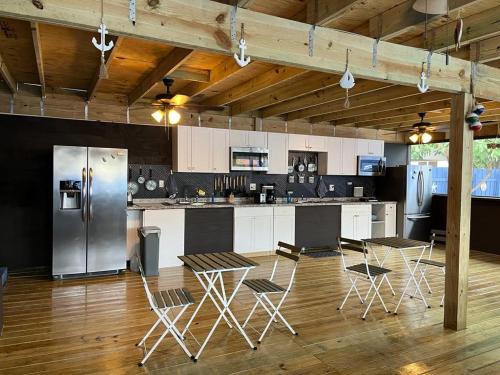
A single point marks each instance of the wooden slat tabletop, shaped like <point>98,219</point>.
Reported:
<point>217,261</point>
<point>396,242</point>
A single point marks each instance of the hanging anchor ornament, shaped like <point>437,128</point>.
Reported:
<point>347,81</point>
<point>422,85</point>
<point>241,59</point>
<point>103,47</point>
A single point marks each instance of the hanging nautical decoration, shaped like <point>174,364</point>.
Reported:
<point>347,81</point>
<point>422,85</point>
<point>473,120</point>
<point>459,26</point>
<point>242,60</point>
<point>102,46</point>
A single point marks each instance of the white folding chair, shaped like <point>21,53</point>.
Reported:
<point>437,235</point>
<point>161,303</point>
<point>361,271</point>
<point>262,288</point>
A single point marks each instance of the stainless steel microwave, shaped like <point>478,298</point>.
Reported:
<point>249,159</point>
<point>370,165</point>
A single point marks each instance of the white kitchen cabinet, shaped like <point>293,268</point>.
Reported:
<point>253,229</point>
<point>317,143</point>
<point>220,151</point>
<point>284,225</point>
<point>297,142</point>
<point>304,142</point>
<point>200,149</point>
<point>390,220</point>
<point>356,221</point>
<point>134,222</point>
<point>278,153</point>
<point>171,223</point>
<point>330,162</point>
<point>369,147</point>
<point>349,157</point>
<point>244,138</point>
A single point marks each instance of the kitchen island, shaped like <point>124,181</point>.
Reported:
<point>254,229</point>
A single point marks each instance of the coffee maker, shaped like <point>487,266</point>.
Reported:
<point>269,191</point>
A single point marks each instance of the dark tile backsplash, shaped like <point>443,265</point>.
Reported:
<point>187,183</point>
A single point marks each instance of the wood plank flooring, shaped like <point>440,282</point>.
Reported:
<point>90,326</point>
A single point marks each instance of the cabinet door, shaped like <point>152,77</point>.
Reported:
<point>363,226</point>
<point>278,153</point>
<point>201,149</point>
<point>362,147</point>
<point>244,234</point>
<point>220,151</point>
<point>238,138</point>
<point>349,158</point>
<point>390,220</point>
<point>263,233</point>
<point>376,147</point>
<point>334,160</point>
<point>182,149</point>
<point>284,229</point>
<point>297,142</point>
<point>257,139</point>
<point>317,143</point>
<point>347,224</point>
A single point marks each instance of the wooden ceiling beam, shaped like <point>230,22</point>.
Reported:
<point>175,58</point>
<point>7,77</point>
<point>191,74</point>
<point>486,50</point>
<point>311,81</point>
<point>97,79</point>
<point>402,18</point>
<point>323,112</point>
<point>319,97</point>
<point>204,24</point>
<point>37,45</point>
<point>269,79</point>
<point>323,12</point>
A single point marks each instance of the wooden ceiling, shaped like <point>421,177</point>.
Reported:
<point>55,57</point>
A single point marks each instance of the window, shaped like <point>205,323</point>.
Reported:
<point>486,165</point>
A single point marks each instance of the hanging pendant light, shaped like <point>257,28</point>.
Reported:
<point>431,6</point>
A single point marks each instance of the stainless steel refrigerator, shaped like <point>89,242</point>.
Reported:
<point>89,210</point>
<point>411,187</point>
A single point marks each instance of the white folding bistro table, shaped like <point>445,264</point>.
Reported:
<point>209,269</point>
<point>402,245</point>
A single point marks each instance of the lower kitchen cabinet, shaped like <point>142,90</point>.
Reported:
<point>171,224</point>
<point>317,225</point>
<point>253,229</point>
<point>208,230</point>
<point>390,220</point>
<point>284,225</point>
<point>356,221</point>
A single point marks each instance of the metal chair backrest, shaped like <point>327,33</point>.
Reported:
<point>353,245</point>
<point>294,255</point>
<point>438,235</point>
<point>145,282</point>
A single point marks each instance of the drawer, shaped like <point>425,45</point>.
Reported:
<point>253,211</point>
<point>357,208</point>
<point>284,211</point>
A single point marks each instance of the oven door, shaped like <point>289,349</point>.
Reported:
<point>371,166</point>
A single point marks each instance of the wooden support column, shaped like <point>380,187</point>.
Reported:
<point>458,216</point>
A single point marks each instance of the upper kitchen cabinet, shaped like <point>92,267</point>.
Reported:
<point>370,147</point>
<point>303,142</point>
<point>199,149</point>
<point>330,163</point>
<point>278,153</point>
<point>244,138</point>
<point>349,159</point>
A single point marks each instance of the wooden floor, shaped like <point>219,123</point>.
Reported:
<point>90,327</point>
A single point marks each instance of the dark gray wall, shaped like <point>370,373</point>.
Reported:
<point>396,154</point>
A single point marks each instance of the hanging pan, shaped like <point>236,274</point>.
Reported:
<point>132,186</point>
<point>151,184</point>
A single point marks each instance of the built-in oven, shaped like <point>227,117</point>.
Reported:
<point>370,165</point>
<point>249,159</point>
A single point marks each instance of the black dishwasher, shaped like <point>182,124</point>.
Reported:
<point>317,225</point>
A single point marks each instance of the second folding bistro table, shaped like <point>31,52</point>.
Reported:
<point>209,269</point>
<point>402,245</point>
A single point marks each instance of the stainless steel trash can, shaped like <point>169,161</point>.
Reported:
<point>150,249</point>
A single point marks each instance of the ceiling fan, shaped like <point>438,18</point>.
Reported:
<point>167,101</point>
<point>421,130</point>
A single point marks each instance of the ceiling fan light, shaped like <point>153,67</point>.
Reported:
<point>431,6</point>
<point>414,138</point>
<point>158,115</point>
<point>173,117</point>
<point>426,137</point>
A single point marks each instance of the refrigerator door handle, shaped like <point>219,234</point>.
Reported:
<point>419,188</point>
<point>91,183</point>
<point>418,217</point>
<point>84,194</point>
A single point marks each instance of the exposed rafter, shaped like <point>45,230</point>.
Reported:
<point>323,12</point>
<point>169,64</point>
<point>191,74</point>
<point>37,45</point>
<point>486,50</point>
<point>199,25</point>
<point>7,77</point>
<point>96,80</point>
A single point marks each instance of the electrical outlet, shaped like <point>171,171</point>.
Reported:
<point>331,188</point>
<point>253,186</point>
<point>161,183</point>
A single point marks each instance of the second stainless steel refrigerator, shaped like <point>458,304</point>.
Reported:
<point>411,187</point>
<point>89,210</point>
